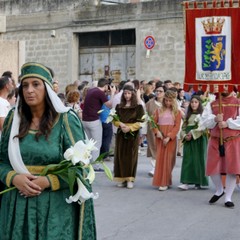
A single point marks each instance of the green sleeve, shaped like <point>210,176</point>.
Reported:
<point>5,166</point>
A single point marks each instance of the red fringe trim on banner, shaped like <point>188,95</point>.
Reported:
<point>214,4</point>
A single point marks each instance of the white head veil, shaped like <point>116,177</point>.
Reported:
<point>13,144</point>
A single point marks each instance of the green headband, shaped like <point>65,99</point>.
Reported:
<point>36,70</point>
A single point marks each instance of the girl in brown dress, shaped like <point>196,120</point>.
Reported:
<point>130,115</point>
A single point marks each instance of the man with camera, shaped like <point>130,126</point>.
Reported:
<point>94,100</point>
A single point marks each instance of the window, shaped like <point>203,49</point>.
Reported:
<point>107,38</point>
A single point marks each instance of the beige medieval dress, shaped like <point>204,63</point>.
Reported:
<point>151,107</point>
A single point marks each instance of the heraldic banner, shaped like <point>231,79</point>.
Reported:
<point>212,43</point>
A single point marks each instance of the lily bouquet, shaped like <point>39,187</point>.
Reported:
<point>211,97</point>
<point>149,119</point>
<point>112,116</point>
<point>76,168</point>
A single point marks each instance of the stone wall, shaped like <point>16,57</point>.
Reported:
<point>33,21</point>
<point>9,57</point>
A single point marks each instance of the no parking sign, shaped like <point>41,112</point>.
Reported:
<point>149,44</point>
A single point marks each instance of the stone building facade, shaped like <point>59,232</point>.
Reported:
<point>49,32</point>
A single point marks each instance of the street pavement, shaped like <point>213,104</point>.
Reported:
<point>145,213</point>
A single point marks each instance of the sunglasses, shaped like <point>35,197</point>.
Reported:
<point>159,91</point>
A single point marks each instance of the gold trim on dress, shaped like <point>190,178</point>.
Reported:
<point>54,181</point>
<point>123,179</point>
<point>226,105</point>
<point>35,169</point>
<point>10,120</point>
<point>81,220</point>
<point>9,177</point>
<point>65,119</point>
<point>82,207</point>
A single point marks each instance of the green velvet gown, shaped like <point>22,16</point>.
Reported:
<point>47,216</point>
<point>194,156</point>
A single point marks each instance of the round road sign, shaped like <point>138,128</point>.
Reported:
<point>149,42</point>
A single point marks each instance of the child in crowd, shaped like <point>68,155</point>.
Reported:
<point>194,147</point>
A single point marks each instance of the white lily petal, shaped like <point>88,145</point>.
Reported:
<point>75,160</point>
<point>68,153</point>
<point>109,119</point>
<point>69,200</point>
<point>91,174</point>
<point>112,111</point>
<point>79,145</point>
<point>91,144</point>
<point>93,196</point>
<point>86,161</point>
<point>82,194</point>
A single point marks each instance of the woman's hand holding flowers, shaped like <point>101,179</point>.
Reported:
<point>125,128</point>
<point>24,183</point>
<point>76,168</point>
<point>42,182</point>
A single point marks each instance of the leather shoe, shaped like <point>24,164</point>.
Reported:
<point>215,198</point>
<point>229,204</point>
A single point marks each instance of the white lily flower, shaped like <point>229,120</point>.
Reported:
<point>145,117</point>
<point>211,97</point>
<point>197,118</point>
<point>82,194</point>
<point>112,111</point>
<point>68,155</point>
<point>78,153</point>
<point>91,174</point>
<point>109,119</point>
<point>90,143</point>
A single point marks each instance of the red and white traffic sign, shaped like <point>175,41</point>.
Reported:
<point>149,42</point>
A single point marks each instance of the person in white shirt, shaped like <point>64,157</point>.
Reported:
<point>6,86</point>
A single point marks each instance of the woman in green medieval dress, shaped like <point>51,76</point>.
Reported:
<point>36,134</point>
<point>194,148</point>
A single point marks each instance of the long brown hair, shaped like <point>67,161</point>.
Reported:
<point>190,110</point>
<point>46,122</point>
<point>134,101</point>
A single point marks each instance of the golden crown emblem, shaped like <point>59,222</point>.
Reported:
<point>213,27</point>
